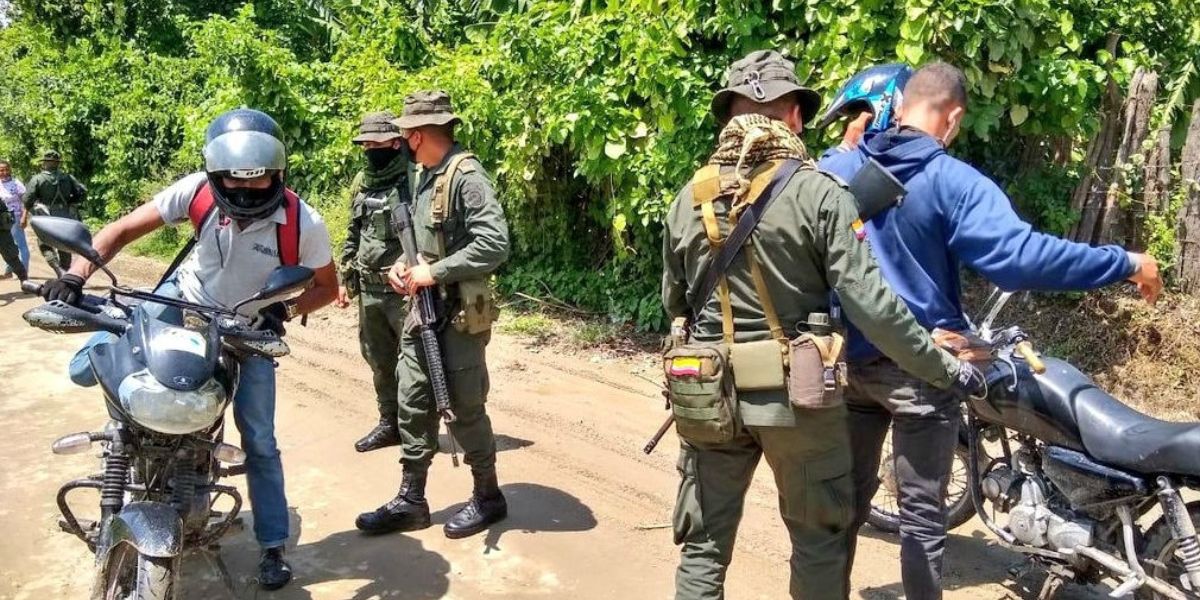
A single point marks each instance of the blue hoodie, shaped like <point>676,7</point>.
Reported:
<point>953,215</point>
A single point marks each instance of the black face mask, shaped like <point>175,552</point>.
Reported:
<point>380,158</point>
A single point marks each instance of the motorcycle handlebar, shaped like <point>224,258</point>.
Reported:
<point>30,287</point>
<point>1026,351</point>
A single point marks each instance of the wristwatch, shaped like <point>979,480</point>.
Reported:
<point>292,308</point>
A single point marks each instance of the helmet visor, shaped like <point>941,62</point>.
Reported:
<point>244,154</point>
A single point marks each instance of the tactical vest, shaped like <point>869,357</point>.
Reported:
<point>378,246</point>
<point>477,305</point>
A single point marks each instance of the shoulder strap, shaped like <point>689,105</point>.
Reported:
<point>199,210</point>
<point>443,206</point>
<point>287,235</point>
<point>746,225</point>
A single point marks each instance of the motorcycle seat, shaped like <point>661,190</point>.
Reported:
<point>1120,436</point>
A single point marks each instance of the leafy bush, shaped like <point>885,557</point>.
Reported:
<point>589,114</point>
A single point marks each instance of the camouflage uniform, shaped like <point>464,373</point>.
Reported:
<point>55,193</point>
<point>806,248</point>
<point>371,248</point>
<point>475,239</point>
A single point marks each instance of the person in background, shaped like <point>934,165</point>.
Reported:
<point>58,194</point>
<point>12,193</point>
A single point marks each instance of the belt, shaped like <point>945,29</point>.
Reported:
<point>373,277</point>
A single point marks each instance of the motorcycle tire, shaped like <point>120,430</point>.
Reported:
<point>959,509</point>
<point>130,575</point>
<point>1159,554</point>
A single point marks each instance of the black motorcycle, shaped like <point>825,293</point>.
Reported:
<point>1074,471</point>
<point>167,379</point>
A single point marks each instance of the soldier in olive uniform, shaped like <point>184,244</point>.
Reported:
<point>806,248</point>
<point>53,192</point>
<point>371,249</point>
<point>463,238</point>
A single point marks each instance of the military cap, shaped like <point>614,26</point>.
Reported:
<point>51,156</point>
<point>377,127</point>
<point>426,108</point>
<point>763,76</point>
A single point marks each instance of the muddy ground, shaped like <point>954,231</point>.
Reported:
<point>588,511</point>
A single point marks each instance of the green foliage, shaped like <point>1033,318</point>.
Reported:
<point>590,114</point>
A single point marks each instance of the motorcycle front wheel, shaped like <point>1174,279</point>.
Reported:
<point>130,575</point>
<point>885,508</point>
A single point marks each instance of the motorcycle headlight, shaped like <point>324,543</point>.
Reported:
<point>165,410</point>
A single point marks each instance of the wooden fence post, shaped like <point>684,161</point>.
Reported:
<point>1187,267</point>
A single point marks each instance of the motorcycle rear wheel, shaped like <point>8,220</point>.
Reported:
<point>1160,548</point>
<point>885,510</point>
<point>130,575</point>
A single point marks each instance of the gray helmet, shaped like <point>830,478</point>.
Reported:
<point>245,144</point>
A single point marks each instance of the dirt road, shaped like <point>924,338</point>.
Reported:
<point>588,511</point>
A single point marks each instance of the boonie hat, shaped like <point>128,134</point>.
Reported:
<point>426,108</point>
<point>763,76</point>
<point>377,127</point>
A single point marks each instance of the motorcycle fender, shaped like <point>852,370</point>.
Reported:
<point>153,528</point>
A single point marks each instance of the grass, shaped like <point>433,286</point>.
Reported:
<point>164,243</point>
<point>532,324</point>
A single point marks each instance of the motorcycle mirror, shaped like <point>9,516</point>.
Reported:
<point>69,235</point>
<point>282,281</point>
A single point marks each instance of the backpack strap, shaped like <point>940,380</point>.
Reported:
<point>443,205</point>
<point>287,235</point>
<point>200,209</point>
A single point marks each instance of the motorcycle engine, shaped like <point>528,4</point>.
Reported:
<point>1032,519</point>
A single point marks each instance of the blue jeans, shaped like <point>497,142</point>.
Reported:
<point>22,246</point>
<point>254,415</point>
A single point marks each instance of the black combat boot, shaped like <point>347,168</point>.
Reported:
<point>273,571</point>
<point>485,507</point>
<point>385,434</point>
<point>408,511</point>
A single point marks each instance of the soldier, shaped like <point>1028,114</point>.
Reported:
<point>58,194</point>
<point>370,250</point>
<point>462,236</point>
<point>806,248</point>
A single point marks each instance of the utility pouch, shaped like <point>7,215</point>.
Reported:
<point>700,389</point>
<point>477,307</point>
<point>759,366</point>
<point>817,376</point>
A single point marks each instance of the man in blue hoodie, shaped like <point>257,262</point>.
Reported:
<point>952,216</point>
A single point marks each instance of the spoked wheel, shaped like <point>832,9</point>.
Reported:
<point>130,575</point>
<point>885,508</point>
<point>1163,551</point>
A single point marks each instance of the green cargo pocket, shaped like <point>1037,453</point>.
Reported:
<point>687,519</point>
<point>830,496</point>
<point>701,393</point>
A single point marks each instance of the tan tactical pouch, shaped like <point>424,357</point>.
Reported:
<point>478,308</point>
<point>701,392</point>
<point>817,375</point>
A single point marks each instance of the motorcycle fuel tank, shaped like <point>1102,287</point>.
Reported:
<point>1037,405</point>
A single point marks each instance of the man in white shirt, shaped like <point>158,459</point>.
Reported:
<point>249,223</point>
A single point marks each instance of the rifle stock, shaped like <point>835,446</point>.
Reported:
<point>426,312</point>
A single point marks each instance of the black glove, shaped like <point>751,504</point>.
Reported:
<point>68,288</point>
<point>273,317</point>
<point>969,382</point>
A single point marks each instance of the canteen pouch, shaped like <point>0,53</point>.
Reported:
<point>758,366</point>
<point>701,393</point>
<point>816,376</point>
<point>477,307</point>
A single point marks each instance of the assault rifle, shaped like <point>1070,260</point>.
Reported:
<point>425,311</point>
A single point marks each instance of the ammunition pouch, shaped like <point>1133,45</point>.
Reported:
<point>700,388</point>
<point>477,308</point>
<point>817,375</point>
<point>352,283</point>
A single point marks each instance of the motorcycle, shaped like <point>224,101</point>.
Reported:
<point>167,378</point>
<point>1075,471</point>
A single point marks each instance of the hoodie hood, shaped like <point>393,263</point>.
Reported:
<point>903,152</point>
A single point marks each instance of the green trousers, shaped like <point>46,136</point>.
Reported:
<point>467,379</point>
<point>380,327</point>
<point>811,463</point>
<point>8,247</point>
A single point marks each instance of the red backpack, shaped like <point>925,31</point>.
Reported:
<point>287,235</point>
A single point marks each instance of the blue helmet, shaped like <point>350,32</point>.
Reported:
<point>878,89</point>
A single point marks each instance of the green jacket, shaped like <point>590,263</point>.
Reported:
<point>371,243</point>
<point>56,190</point>
<point>476,233</point>
<point>807,248</point>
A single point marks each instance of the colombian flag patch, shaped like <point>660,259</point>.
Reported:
<point>684,366</point>
<point>860,230</point>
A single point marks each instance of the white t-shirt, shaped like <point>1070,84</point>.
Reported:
<point>230,264</point>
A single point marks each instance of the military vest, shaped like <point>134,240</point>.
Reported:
<point>378,247</point>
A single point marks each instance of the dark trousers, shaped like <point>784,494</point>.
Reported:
<point>924,423</point>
